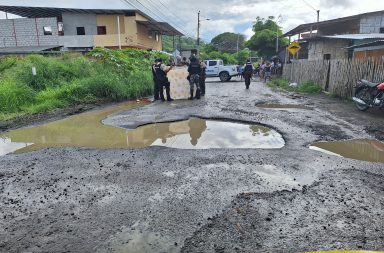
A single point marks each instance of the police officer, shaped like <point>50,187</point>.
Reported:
<point>203,76</point>
<point>156,87</point>
<point>248,71</point>
<point>194,70</point>
<point>161,71</point>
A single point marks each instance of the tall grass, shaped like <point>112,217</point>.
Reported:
<point>72,79</point>
<point>304,87</point>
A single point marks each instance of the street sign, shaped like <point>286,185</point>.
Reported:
<point>294,47</point>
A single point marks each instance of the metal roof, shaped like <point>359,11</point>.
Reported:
<point>160,27</point>
<point>368,44</point>
<point>46,12</point>
<point>307,27</point>
<point>360,36</point>
<point>24,50</point>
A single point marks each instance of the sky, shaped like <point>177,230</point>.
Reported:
<point>224,15</point>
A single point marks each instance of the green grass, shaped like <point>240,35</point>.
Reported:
<point>304,87</point>
<point>72,79</point>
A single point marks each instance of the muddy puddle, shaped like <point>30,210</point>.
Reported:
<point>364,150</point>
<point>283,106</point>
<point>87,131</point>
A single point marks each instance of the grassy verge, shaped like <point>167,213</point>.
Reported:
<point>60,82</point>
<point>305,87</point>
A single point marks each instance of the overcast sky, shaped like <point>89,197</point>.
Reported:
<point>225,15</point>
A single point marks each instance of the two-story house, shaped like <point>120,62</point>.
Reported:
<point>43,28</point>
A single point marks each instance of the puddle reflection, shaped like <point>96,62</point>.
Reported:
<point>364,150</point>
<point>87,131</point>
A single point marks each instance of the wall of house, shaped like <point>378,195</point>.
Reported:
<point>371,23</point>
<point>73,20</point>
<point>147,39</point>
<point>28,32</point>
<point>367,52</point>
<point>111,39</point>
<point>334,47</point>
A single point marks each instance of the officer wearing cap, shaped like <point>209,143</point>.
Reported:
<point>161,71</point>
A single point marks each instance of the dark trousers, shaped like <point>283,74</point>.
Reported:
<point>156,90</point>
<point>167,87</point>
<point>202,84</point>
<point>247,78</point>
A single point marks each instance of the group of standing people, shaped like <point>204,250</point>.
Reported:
<point>196,77</point>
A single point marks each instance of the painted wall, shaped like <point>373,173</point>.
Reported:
<point>334,47</point>
<point>110,21</point>
<point>148,39</point>
<point>28,32</point>
<point>72,21</point>
<point>371,23</point>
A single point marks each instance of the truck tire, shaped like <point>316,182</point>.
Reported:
<point>224,76</point>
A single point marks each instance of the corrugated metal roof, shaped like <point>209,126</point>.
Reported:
<point>23,50</point>
<point>357,36</point>
<point>368,44</point>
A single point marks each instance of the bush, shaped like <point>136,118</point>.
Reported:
<point>110,75</point>
<point>14,96</point>
<point>305,87</point>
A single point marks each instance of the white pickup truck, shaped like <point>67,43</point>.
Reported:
<point>216,68</point>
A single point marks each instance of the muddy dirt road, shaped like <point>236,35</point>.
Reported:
<point>159,199</point>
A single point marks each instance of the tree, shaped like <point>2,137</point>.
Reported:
<point>264,40</point>
<point>186,43</point>
<point>228,42</point>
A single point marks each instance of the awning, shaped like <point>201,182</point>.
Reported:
<point>160,27</point>
<point>368,44</point>
<point>48,12</point>
<point>357,36</point>
<point>27,50</point>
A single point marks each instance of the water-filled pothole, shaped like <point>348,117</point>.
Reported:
<point>87,131</point>
<point>364,150</point>
<point>282,106</point>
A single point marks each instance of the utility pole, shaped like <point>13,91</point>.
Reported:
<point>318,16</point>
<point>198,30</point>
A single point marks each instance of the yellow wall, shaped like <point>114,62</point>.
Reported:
<point>110,21</point>
<point>132,33</point>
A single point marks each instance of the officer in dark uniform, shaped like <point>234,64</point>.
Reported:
<point>156,88</point>
<point>248,71</point>
<point>161,71</point>
<point>203,76</point>
<point>194,70</point>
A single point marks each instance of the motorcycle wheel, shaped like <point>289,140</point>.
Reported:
<point>364,95</point>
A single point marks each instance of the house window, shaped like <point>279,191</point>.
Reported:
<point>327,56</point>
<point>80,30</point>
<point>47,30</point>
<point>101,30</point>
<point>381,29</point>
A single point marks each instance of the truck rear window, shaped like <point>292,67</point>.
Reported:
<point>212,63</point>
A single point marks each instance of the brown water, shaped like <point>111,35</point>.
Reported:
<point>282,106</point>
<point>364,150</point>
<point>87,131</point>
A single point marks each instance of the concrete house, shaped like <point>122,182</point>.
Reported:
<point>43,29</point>
<point>356,36</point>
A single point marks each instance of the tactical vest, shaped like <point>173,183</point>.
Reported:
<point>161,76</point>
<point>248,69</point>
<point>194,68</point>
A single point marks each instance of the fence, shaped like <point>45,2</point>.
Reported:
<point>337,76</point>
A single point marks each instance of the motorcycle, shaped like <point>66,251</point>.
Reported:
<point>368,95</point>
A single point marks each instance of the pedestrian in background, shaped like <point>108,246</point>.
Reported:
<point>248,71</point>
<point>161,71</point>
<point>194,71</point>
<point>267,71</point>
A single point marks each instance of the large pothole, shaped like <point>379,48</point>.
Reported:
<point>87,131</point>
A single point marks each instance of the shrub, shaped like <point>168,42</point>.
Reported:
<point>14,96</point>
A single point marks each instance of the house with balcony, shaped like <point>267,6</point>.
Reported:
<point>46,29</point>
<point>357,36</point>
